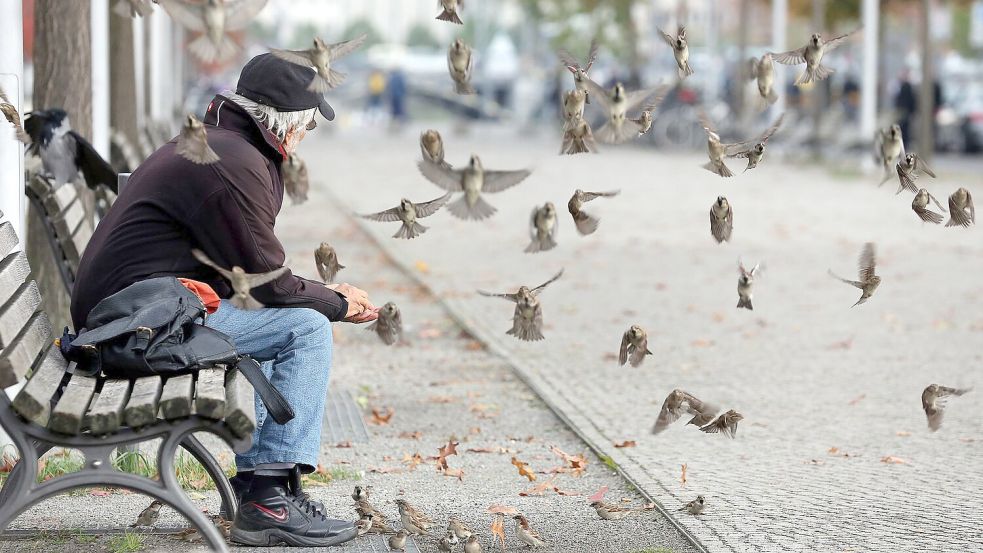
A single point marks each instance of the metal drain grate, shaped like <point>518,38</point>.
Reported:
<point>343,419</point>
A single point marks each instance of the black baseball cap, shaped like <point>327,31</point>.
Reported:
<point>282,85</point>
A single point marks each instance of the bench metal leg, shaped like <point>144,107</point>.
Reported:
<point>214,469</point>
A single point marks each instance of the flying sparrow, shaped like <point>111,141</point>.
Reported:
<point>694,507</point>
<point>908,169</point>
<point>192,143</point>
<point>680,50</point>
<point>579,72</point>
<point>617,105</point>
<point>869,281</point>
<point>133,8</point>
<point>542,228</point>
<point>451,7</point>
<point>717,150</point>
<point>920,206</point>
<point>573,104</point>
<point>321,56</point>
<point>326,261</point>
<point>389,325</point>
<point>149,515</point>
<point>933,401</point>
<point>725,424</point>
<point>398,541</point>
<point>577,137</point>
<point>888,148</point>
<point>702,419</point>
<point>408,212</point>
<point>644,120</point>
<point>13,117</point>
<point>527,321</point>
<point>634,346</point>
<point>447,543</point>
<point>460,529</point>
<point>295,181</point>
<point>721,220</point>
<point>672,409</point>
<point>763,72</point>
<point>744,284</point>
<point>525,533</point>
<point>473,180</point>
<point>472,545</point>
<point>812,55</point>
<point>961,210</point>
<point>242,282</point>
<point>460,62</point>
<point>611,512</point>
<point>432,146</point>
<point>213,19</point>
<point>586,223</point>
<point>413,521</point>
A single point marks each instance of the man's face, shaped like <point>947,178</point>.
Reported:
<point>293,139</point>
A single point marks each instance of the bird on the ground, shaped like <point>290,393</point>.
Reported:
<point>680,50</point>
<point>717,150</point>
<point>888,148</point>
<point>472,545</point>
<point>326,261</point>
<point>812,55</point>
<point>573,104</point>
<point>962,212</point>
<point>451,9</point>
<point>694,507</point>
<point>460,62</point>
<point>13,117</point>
<point>133,8</point>
<point>745,282</point>
<point>64,152</point>
<point>448,542</point>
<point>474,180</point>
<point>579,72</point>
<point>725,424</point>
<point>527,321</point>
<point>611,512</point>
<point>672,409</point>
<point>460,529</point>
<point>148,516</point>
<point>542,228</point>
<point>585,222</point>
<point>363,525</point>
<point>634,346</point>
<point>920,206</point>
<point>192,143</point>
<point>762,71</point>
<point>721,220</point>
<point>617,105</point>
<point>379,526</point>
<point>934,400</point>
<point>389,325</point>
<point>578,138</point>
<point>363,506</point>
<point>869,281</point>
<point>213,19</point>
<point>413,521</point>
<point>321,56</point>
<point>908,170</point>
<point>293,171</point>
<point>525,533</point>
<point>397,542</point>
<point>432,147</point>
<point>242,282</point>
<point>407,213</point>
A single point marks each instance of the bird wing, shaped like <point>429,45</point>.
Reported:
<point>637,98</point>
<point>299,57</point>
<point>738,147</point>
<point>850,282</point>
<point>937,204</point>
<point>511,297</point>
<point>342,49</point>
<point>260,279</point>
<point>751,69</point>
<point>670,40</point>
<point>496,181</point>
<point>969,204</point>
<point>389,215</point>
<point>705,123</point>
<point>95,169</point>
<point>535,291</point>
<point>588,196</point>
<point>907,180</point>
<point>947,391</point>
<point>772,129</point>
<point>34,126</point>
<point>695,406</point>
<point>832,44</point>
<point>203,258</point>
<point>240,14</point>
<point>792,57</point>
<point>566,58</point>
<point>187,15</point>
<point>444,177</point>
<point>623,351</point>
<point>920,165</point>
<point>666,417</point>
<point>598,94</point>
<point>427,209</point>
<point>740,264</point>
<point>591,54</point>
<point>867,262</point>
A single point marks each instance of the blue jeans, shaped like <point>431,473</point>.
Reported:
<point>294,346</point>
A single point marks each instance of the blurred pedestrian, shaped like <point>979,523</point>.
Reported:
<point>851,97</point>
<point>377,87</point>
<point>396,88</point>
<point>905,103</point>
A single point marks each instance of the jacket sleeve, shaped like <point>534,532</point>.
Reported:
<point>234,226</point>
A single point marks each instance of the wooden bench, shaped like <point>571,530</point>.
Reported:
<point>67,228</point>
<point>96,415</point>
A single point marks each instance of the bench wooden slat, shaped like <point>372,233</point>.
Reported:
<point>240,408</point>
<point>33,402</point>
<point>8,237</point>
<point>175,401</point>
<point>210,393</point>
<point>106,413</point>
<point>14,270</point>
<point>79,240</point>
<point>68,414</point>
<point>18,358</point>
<point>40,186</point>
<point>57,201</point>
<point>141,409</point>
<point>16,312</point>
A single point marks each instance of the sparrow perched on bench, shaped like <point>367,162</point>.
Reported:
<point>242,282</point>
<point>527,321</point>
<point>192,143</point>
<point>64,152</point>
<point>320,57</point>
<point>389,325</point>
<point>408,212</point>
<point>148,516</point>
<point>326,261</point>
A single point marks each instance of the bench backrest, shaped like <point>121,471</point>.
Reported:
<point>25,332</point>
<point>64,217</point>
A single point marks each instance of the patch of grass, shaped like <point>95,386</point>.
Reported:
<point>126,543</point>
<point>54,537</point>
<point>191,474</point>
<point>609,462</point>
<point>323,476</point>
<point>134,462</point>
<point>63,462</point>
<point>84,539</point>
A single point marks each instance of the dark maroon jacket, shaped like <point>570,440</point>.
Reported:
<point>226,209</point>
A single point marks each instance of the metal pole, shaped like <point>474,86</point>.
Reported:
<point>11,150</point>
<point>139,61</point>
<point>100,76</point>
<point>926,92</point>
<point>779,20</point>
<point>868,82</point>
<point>818,95</point>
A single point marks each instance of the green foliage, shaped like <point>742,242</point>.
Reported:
<point>420,36</point>
<point>609,462</point>
<point>134,462</point>
<point>303,36</point>
<point>126,542</point>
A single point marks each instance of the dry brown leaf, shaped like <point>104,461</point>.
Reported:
<point>524,469</point>
<point>857,399</point>
<point>598,495</point>
<point>381,417</point>
<point>475,430</point>
<point>386,470</point>
<point>441,399</point>
<point>498,530</point>
<point>564,492</point>
<point>502,509</point>
<point>343,445</point>
<point>455,473</point>
<point>902,433</point>
<point>412,461</point>
<point>575,464</point>
<point>474,345</point>
<point>626,443</point>
<point>682,477</point>
<point>411,435</point>
<point>483,450</point>
<point>445,452</point>
<point>100,493</point>
<point>539,489</point>
<point>892,460</point>
<point>648,507</point>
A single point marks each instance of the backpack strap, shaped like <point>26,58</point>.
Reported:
<point>276,404</point>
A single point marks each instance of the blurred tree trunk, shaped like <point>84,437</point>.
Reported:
<point>926,92</point>
<point>62,78</point>
<point>122,79</point>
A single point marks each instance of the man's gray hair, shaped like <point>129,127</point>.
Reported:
<point>278,122</point>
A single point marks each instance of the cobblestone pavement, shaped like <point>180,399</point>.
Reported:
<point>834,453</point>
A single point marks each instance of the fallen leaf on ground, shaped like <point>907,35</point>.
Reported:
<point>483,450</point>
<point>445,452</point>
<point>682,477</point>
<point>539,489</point>
<point>430,333</point>
<point>648,507</point>
<point>343,445</point>
<point>475,430</point>
<point>902,433</point>
<point>455,473</point>
<point>626,443</point>
<point>386,470</point>
<point>892,460</point>
<point>498,530</point>
<point>381,417</point>
<point>441,399</point>
<point>422,267</point>
<point>411,435</point>
<point>502,509</point>
<point>474,345</point>
<point>857,399</point>
<point>598,495</point>
<point>564,492</point>
<point>524,469</point>
<point>412,461</point>
<point>100,493</point>
<point>575,464</point>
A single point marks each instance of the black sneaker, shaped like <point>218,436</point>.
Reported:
<point>240,485</point>
<point>273,515</point>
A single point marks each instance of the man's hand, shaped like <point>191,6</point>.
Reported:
<point>360,308</point>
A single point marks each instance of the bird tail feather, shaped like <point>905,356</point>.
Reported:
<point>480,210</point>
<point>248,303</point>
<point>526,332</point>
<point>321,84</point>
<point>209,52</point>
<point>463,87</point>
<point>718,168</point>
<point>448,15</point>
<point>745,303</point>
<point>541,244</point>
<point>410,231</point>
<point>585,223</point>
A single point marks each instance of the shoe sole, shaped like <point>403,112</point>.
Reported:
<point>276,536</point>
